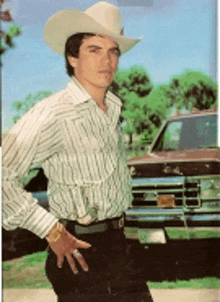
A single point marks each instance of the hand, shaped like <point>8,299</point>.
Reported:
<point>66,246</point>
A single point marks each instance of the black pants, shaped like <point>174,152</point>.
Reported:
<point>116,271</point>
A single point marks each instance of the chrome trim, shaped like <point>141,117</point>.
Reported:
<point>159,215</point>
<point>163,181</point>
<point>143,212</point>
<point>160,191</point>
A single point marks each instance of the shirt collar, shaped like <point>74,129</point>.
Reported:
<point>113,98</point>
<point>81,95</point>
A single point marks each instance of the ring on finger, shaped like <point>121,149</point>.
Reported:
<point>76,253</point>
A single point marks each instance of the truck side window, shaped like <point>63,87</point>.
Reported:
<point>171,137</point>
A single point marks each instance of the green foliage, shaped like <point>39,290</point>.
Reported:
<point>7,40</point>
<point>14,31</point>
<point>32,173</point>
<point>144,108</point>
<point>133,86</point>
<point>26,261</point>
<point>26,272</point>
<point>193,89</point>
<point>21,107</point>
<point>35,259</point>
<point>208,282</point>
<point>6,267</point>
<point>156,106</point>
<point>134,79</point>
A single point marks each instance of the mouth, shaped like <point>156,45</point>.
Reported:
<point>106,72</point>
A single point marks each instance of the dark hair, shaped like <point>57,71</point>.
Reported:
<point>72,46</point>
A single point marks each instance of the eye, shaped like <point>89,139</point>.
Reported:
<point>115,51</point>
<point>95,50</point>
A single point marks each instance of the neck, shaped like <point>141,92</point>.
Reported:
<point>98,96</point>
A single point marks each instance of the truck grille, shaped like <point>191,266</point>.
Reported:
<point>186,194</point>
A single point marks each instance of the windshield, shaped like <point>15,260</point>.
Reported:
<point>195,132</point>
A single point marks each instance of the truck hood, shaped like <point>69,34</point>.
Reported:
<point>176,163</point>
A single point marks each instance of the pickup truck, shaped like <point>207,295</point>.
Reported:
<point>176,185</point>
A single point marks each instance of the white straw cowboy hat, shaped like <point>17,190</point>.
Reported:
<point>101,18</point>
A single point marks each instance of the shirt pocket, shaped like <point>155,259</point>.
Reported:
<point>87,134</point>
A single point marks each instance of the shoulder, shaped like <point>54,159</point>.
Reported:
<point>48,103</point>
<point>40,116</point>
<point>53,106</point>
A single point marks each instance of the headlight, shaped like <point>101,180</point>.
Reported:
<point>210,187</point>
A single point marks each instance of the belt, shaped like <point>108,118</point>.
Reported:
<point>98,227</point>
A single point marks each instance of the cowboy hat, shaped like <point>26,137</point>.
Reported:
<point>101,18</point>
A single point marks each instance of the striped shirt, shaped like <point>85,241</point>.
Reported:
<point>81,151</point>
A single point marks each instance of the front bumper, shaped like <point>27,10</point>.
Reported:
<point>159,225</point>
<point>170,217</point>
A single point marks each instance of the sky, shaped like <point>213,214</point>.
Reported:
<point>177,35</point>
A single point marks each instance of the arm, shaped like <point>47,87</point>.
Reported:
<point>25,145</point>
<point>20,209</point>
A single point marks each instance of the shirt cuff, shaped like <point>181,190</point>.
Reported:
<point>39,221</point>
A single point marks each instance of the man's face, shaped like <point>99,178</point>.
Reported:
<point>97,62</point>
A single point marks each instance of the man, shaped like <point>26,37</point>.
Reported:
<point>74,134</point>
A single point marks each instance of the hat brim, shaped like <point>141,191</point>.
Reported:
<point>66,23</point>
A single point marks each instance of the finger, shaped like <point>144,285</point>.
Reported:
<point>83,244</point>
<point>72,263</point>
<point>79,257</point>
<point>60,261</point>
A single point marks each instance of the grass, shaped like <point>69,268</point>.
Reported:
<point>28,272</point>
<point>208,282</point>
<point>24,262</point>
<point>25,272</point>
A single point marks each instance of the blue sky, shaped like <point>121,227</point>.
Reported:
<point>177,35</point>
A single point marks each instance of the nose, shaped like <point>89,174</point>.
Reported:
<point>106,57</point>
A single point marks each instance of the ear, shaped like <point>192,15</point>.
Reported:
<point>72,61</point>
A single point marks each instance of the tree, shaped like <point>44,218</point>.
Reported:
<point>132,86</point>
<point>184,92</point>
<point>21,107</point>
<point>144,108</point>
<point>193,89</point>
<point>13,31</point>
<point>156,107</point>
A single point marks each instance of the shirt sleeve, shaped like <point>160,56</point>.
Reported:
<point>20,149</point>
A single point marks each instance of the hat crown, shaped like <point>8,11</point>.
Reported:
<point>106,15</point>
